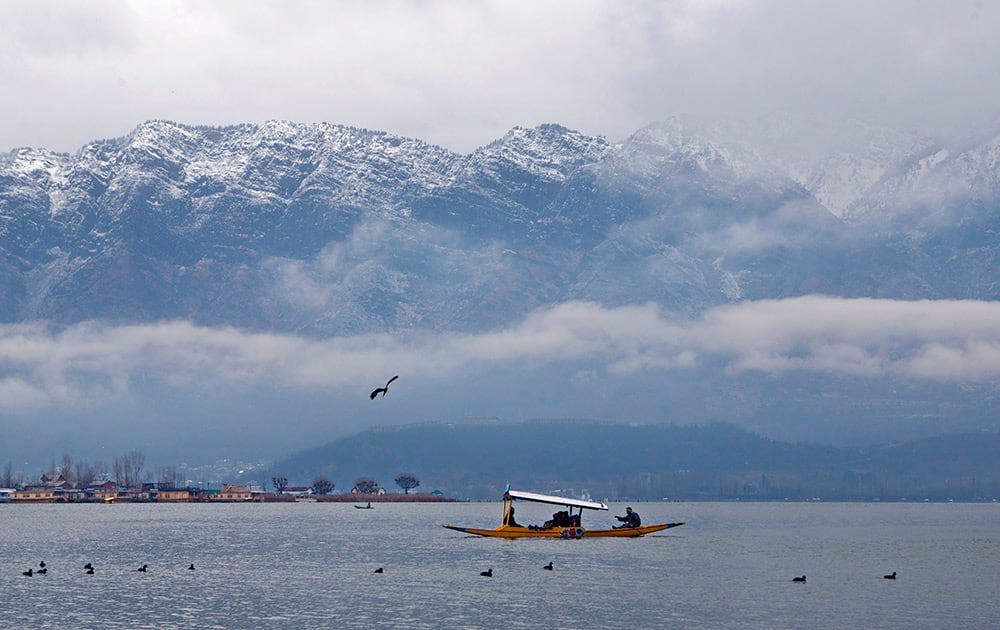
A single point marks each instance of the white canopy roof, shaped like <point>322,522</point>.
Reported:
<point>547,498</point>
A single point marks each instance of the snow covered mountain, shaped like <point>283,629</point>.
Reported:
<point>330,229</point>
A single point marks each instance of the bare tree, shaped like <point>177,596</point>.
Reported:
<point>7,477</point>
<point>136,461</point>
<point>280,482</point>
<point>169,477</point>
<point>366,485</point>
<point>128,468</point>
<point>407,481</point>
<point>66,468</point>
<point>85,474</point>
<point>322,485</point>
<point>119,468</point>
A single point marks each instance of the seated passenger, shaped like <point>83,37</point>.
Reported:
<point>510,518</point>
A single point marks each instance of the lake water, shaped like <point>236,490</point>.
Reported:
<point>310,565</point>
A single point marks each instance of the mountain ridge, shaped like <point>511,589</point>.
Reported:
<point>203,216</point>
<point>713,461</point>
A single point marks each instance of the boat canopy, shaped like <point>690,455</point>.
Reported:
<point>546,498</point>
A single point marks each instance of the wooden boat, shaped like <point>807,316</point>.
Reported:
<point>569,528</point>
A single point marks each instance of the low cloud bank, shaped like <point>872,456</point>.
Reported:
<point>92,364</point>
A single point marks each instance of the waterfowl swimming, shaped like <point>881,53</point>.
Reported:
<point>41,564</point>
<point>90,570</point>
<point>142,568</point>
<point>891,576</point>
<point>487,573</point>
<point>88,566</point>
<point>383,390</point>
<point>42,571</point>
<point>378,570</point>
<point>548,567</point>
<point>28,573</point>
<point>191,568</point>
<point>799,579</point>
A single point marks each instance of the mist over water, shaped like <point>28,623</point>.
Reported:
<point>311,565</point>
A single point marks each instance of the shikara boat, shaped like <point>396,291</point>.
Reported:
<point>569,527</point>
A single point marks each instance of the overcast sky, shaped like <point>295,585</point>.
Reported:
<point>460,74</point>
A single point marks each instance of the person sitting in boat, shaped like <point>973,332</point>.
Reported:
<point>631,519</point>
<point>510,518</point>
<point>559,519</point>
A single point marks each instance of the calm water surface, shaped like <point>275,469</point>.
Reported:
<point>310,565</point>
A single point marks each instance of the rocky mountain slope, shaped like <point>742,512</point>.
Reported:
<point>327,229</point>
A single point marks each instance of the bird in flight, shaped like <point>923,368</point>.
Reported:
<point>383,390</point>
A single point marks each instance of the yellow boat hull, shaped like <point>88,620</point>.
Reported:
<point>563,532</point>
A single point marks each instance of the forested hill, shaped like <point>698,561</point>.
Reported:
<point>476,460</point>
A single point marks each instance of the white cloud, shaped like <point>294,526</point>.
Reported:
<point>460,74</point>
<point>943,341</point>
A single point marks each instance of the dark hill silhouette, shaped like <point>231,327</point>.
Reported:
<point>476,459</point>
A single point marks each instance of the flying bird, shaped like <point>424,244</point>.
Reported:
<point>383,390</point>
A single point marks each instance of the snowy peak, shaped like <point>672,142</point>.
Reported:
<point>938,180</point>
<point>677,147</point>
<point>551,152</point>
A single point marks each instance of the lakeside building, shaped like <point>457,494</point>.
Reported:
<point>233,492</point>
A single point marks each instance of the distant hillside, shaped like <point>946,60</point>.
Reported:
<point>618,461</point>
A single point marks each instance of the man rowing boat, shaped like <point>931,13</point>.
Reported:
<point>631,519</point>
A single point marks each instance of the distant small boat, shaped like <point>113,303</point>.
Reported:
<point>365,507</point>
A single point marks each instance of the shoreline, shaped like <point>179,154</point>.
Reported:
<point>264,497</point>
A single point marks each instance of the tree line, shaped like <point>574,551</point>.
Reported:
<point>362,485</point>
<point>127,470</point>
